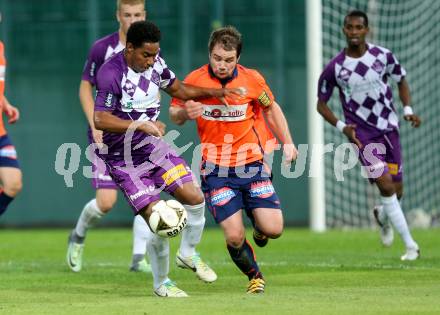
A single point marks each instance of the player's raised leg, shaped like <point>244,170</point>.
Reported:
<point>269,221</point>
<point>187,257</point>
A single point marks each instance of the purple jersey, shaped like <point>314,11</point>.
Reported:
<point>133,96</point>
<point>101,50</point>
<point>364,91</point>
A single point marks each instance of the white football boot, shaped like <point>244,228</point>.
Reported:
<point>169,289</point>
<point>74,254</point>
<point>411,254</point>
<point>196,264</point>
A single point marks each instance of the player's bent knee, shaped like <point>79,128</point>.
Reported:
<point>194,198</point>
<point>386,186</point>
<point>235,239</point>
<point>387,190</point>
<point>105,205</point>
<point>274,232</point>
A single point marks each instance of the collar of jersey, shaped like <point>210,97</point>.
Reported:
<point>225,80</point>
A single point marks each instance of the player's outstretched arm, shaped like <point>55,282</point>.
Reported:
<point>186,92</point>
<point>278,124</point>
<point>107,122</point>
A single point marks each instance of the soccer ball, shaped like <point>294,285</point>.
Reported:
<point>419,219</point>
<point>168,218</point>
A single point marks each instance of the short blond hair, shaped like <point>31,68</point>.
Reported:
<point>129,2</point>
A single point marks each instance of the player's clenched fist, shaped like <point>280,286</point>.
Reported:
<point>193,109</point>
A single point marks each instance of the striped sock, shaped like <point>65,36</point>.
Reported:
<point>244,258</point>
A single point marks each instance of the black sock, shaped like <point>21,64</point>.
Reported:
<point>5,200</point>
<point>245,260</point>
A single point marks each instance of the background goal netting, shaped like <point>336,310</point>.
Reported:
<point>411,29</point>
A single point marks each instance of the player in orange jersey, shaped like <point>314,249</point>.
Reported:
<point>10,173</point>
<point>234,140</point>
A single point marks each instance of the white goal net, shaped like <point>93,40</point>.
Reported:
<point>411,29</point>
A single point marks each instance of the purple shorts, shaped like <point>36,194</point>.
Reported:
<point>101,176</point>
<point>143,182</point>
<point>381,155</point>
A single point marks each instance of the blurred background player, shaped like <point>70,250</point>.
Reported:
<point>361,73</point>
<point>236,138</point>
<point>126,109</point>
<point>128,11</point>
<point>10,173</point>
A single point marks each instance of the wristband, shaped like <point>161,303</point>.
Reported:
<point>341,125</point>
<point>407,110</point>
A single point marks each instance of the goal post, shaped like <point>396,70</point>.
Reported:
<point>315,121</point>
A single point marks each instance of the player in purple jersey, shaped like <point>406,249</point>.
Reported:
<point>139,161</point>
<point>128,11</point>
<point>361,72</point>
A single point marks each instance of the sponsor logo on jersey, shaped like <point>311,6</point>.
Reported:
<point>108,100</point>
<point>92,69</point>
<point>224,113</point>
<point>2,73</point>
<point>344,74</point>
<point>155,77</point>
<point>140,105</point>
<point>221,196</point>
<point>129,87</point>
<point>8,152</point>
<point>378,66</point>
<point>393,168</point>
<point>174,174</point>
<point>262,189</point>
<point>140,193</point>
<point>324,87</point>
<point>264,99</point>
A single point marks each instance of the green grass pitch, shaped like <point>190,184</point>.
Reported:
<point>338,272</point>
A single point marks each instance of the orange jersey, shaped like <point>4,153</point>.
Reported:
<point>2,86</point>
<point>236,134</point>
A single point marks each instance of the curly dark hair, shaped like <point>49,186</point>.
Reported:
<point>143,32</point>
